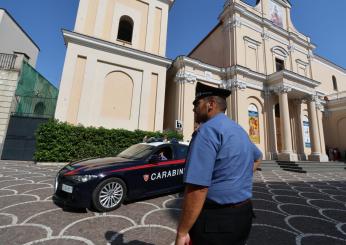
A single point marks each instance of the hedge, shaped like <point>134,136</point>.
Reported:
<point>61,142</point>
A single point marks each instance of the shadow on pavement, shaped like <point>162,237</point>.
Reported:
<point>117,239</point>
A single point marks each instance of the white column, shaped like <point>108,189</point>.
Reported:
<point>286,137</point>
<point>316,132</point>
<point>269,126</point>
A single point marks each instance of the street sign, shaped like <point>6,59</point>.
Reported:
<point>178,124</point>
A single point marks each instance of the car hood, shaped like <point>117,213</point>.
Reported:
<point>98,163</point>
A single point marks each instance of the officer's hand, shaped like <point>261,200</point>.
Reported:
<point>183,239</point>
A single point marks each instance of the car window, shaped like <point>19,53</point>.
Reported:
<point>181,151</point>
<point>165,153</point>
<point>136,151</point>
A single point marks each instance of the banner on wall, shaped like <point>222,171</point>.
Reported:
<point>306,130</point>
<point>254,124</point>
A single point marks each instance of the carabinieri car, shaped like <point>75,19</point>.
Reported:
<point>138,172</point>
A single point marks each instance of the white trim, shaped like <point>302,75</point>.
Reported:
<point>99,44</point>
<point>277,50</point>
<point>251,41</point>
<point>184,60</point>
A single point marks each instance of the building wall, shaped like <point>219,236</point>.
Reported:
<point>110,90</point>
<point>100,18</point>
<point>14,39</point>
<point>212,49</point>
<point>323,72</point>
<point>8,85</point>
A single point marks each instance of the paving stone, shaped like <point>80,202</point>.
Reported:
<point>6,201</point>
<point>21,234</point>
<point>100,226</point>
<point>25,210</point>
<point>57,219</point>
<point>146,236</point>
<point>165,217</point>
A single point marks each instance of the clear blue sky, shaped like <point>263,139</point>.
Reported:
<point>189,22</point>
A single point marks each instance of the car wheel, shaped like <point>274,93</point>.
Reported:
<point>109,194</point>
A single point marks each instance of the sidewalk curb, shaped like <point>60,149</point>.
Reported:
<point>51,163</point>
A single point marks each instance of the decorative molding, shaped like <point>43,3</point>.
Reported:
<point>184,77</point>
<point>299,61</point>
<point>234,21</point>
<point>265,35</point>
<point>291,48</point>
<point>99,44</point>
<point>236,84</point>
<point>281,89</point>
<point>280,51</point>
<point>251,41</point>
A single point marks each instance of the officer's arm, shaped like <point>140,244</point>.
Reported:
<point>194,198</point>
<point>257,163</point>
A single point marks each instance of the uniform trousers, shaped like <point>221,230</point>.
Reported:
<point>223,224</point>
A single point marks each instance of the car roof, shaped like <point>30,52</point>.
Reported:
<point>162,143</point>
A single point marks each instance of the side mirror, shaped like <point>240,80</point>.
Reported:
<point>154,159</point>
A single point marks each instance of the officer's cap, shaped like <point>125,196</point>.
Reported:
<point>203,90</point>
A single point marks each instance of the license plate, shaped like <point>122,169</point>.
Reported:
<point>67,188</point>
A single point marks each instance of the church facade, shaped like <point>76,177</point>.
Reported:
<point>289,100</point>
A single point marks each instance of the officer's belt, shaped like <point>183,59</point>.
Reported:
<point>209,204</point>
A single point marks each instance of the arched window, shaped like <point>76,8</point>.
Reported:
<point>335,84</point>
<point>39,109</point>
<point>254,124</point>
<point>125,29</point>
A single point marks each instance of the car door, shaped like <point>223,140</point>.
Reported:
<point>164,174</point>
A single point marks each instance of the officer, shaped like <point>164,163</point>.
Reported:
<point>218,175</point>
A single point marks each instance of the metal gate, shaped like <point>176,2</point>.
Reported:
<point>20,138</point>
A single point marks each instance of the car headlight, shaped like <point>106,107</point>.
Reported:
<point>83,178</point>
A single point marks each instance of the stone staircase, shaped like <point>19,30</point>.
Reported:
<point>303,166</point>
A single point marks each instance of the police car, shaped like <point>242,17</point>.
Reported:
<point>142,170</point>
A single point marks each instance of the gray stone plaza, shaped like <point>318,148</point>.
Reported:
<point>291,208</point>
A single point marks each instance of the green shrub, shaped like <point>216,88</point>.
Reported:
<point>62,142</point>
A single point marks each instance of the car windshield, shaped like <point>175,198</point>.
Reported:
<point>136,151</point>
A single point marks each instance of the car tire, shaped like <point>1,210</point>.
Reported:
<point>109,195</point>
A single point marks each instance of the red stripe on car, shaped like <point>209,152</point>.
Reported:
<point>150,165</point>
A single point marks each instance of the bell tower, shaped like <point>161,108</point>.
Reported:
<point>115,67</point>
<point>135,24</point>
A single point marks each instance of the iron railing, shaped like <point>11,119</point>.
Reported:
<point>7,61</point>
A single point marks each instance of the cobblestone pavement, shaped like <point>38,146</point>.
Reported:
<point>291,208</point>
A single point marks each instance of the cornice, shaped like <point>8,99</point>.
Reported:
<point>291,75</point>
<point>182,61</point>
<point>99,44</point>
<point>329,63</point>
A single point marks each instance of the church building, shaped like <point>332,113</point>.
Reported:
<point>291,102</point>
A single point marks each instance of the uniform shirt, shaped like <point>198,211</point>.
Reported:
<point>221,157</point>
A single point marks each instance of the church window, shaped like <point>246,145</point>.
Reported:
<point>335,84</point>
<point>253,124</point>
<point>280,64</point>
<point>125,29</point>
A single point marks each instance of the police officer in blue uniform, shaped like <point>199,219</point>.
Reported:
<point>217,206</point>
